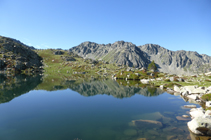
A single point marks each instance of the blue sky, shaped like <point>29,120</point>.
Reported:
<point>173,24</point>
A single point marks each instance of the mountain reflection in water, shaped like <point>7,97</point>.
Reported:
<point>63,114</point>
<point>11,87</point>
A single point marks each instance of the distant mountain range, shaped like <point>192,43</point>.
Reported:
<point>127,53</point>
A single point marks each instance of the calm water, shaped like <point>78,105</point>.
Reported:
<point>93,110</point>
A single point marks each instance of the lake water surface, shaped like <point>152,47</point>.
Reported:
<point>93,110</point>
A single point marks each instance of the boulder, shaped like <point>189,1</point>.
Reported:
<point>189,88</point>
<point>200,126</point>
<point>144,81</point>
<point>198,91</point>
<point>194,97</point>
<point>196,112</point>
<point>190,106</point>
<point>185,93</point>
<point>176,88</point>
<point>180,118</point>
<point>208,104</point>
<point>147,124</point>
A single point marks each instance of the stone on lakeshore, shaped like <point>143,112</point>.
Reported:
<point>185,93</point>
<point>190,88</point>
<point>182,118</point>
<point>196,112</point>
<point>185,116</point>
<point>144,81</point>
<point>194,101</point>
<point>194,97</point>
<point>176,88</point>
<point>147,124</point>
<point>200,126</point>
<point>208,104</point>
<point>190,106</point>
<point>198,91</point>
<point>161,86</point>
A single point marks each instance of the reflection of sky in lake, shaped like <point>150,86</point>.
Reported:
<point>67,115</point>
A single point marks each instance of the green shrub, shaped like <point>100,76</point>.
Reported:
<point>152,66</point>
<point>206,97</point>
<point>167,80</point>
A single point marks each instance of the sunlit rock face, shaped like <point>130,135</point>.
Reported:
<point>127,53</point>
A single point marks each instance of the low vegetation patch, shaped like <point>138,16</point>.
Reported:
<point>206,97</point>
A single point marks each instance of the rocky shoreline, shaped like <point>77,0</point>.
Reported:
<point>201,118</point>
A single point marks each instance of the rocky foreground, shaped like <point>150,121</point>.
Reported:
<point>201,118</point>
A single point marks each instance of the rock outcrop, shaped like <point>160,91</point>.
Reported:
<point>17,56</point>
<point>126,53</point>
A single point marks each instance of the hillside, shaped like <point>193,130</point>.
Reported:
<point>16,56</point>
<point>126,53</point>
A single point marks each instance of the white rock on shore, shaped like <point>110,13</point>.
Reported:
<point>201,119</point>
<point>200,125</point>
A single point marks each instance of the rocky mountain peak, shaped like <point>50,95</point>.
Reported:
<point>127,53</point>
<point>123,44</point>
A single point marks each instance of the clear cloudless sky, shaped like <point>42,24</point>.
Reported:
<point>172,24</point>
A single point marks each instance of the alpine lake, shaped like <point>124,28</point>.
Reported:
<point>35,109</point>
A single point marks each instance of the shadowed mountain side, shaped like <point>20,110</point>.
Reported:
<point>126,53</point>
<point>111,87</point>
<point>15,86</point>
